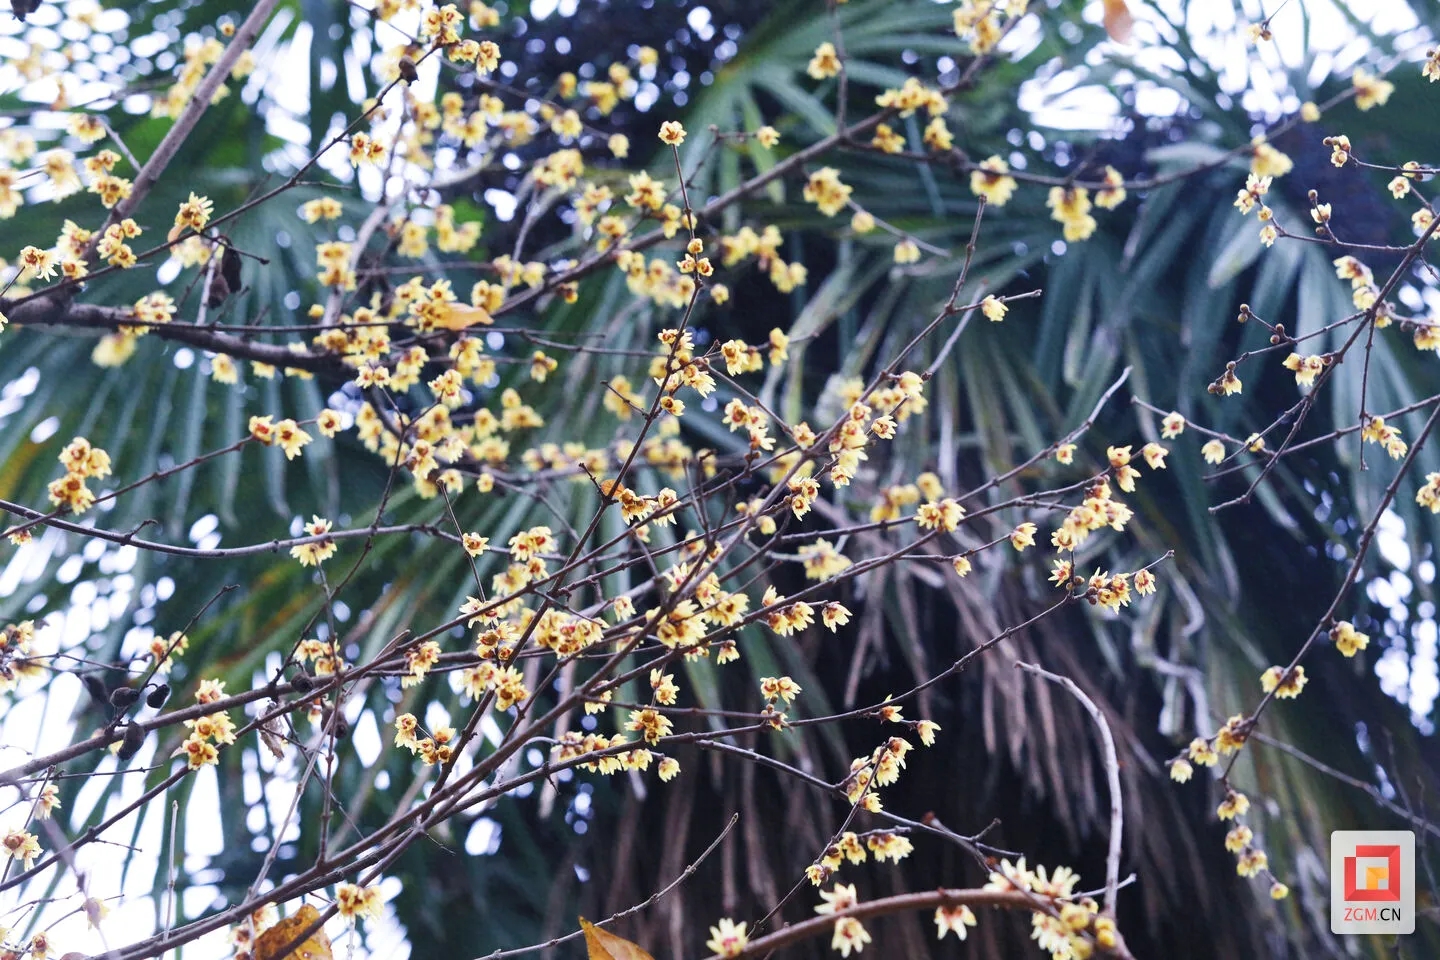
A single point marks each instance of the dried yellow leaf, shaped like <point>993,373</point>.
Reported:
<point>606,946</point>
<point>314,947</point>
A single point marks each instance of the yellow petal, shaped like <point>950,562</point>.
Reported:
<point>1118,21</point>
<point>459,316</point>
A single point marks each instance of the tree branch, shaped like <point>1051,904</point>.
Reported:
<point>1112,771</point>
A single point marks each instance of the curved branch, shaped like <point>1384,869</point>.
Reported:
<point>1112,771</point>
<point>53,310</point>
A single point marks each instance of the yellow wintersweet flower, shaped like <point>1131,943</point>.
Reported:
<point>1305,368</point>
<point>1113,193</point>
<point>22,846</point>
<point>1286,686</point>
<point>194,213</point>
<point>316,553</point>
<point>727,938</point>
<point>849,935</point>
<point>1431,69</point>
<point>672,132</point>
<point>1071,207</point>
<point>1347,639</point>
<point>1339,149</point>
<point>926,729</point>
<point>1231,737</point>
<point>954,919</point>
<point>937,135</point>
<point>825,63</point>
<point>887,140</point>
<point>826,191</point>
<point>355,902</point>
<point>1266,161</point>
<point>1370,90</point>
<point>779,688</point>
<point>1252,862</point>
<point>199,752</point>
<point>290,438</point>
<point>1234,805</point>
<point>943,515</point>
<point>37,263</point>
<point>1256,186</point>
<point>992,181</point>
<point>907,251</point>
<point>1202,753</point>
<point>1023,536</point>
<point>88,127</point>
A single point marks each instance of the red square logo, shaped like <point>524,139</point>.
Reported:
<point>1373,873</point>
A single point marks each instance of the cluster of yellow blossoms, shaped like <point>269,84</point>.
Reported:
<point>198,748</point>
<point>609,758</point>
<point>1067,928</point>
<point>315,552</point>
<point>1428,495</point>
<point>16,659</point>
<point>437,748</point>
<point>81,461</point>
<point>354,902</point>
<point>729,939</point>
<point>440,453</point>
<point>984,22</point>
<point>849,934</point>
<point>1282,683</point>
<point>1376,430</point>
<point>1250,860</point>
<point>1267,163</point>
<point>164,650</point>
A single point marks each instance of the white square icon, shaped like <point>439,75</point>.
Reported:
<point>1372,881</point>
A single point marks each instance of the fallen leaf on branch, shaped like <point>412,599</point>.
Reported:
<point>606,946</point>
<point>314,947</point>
